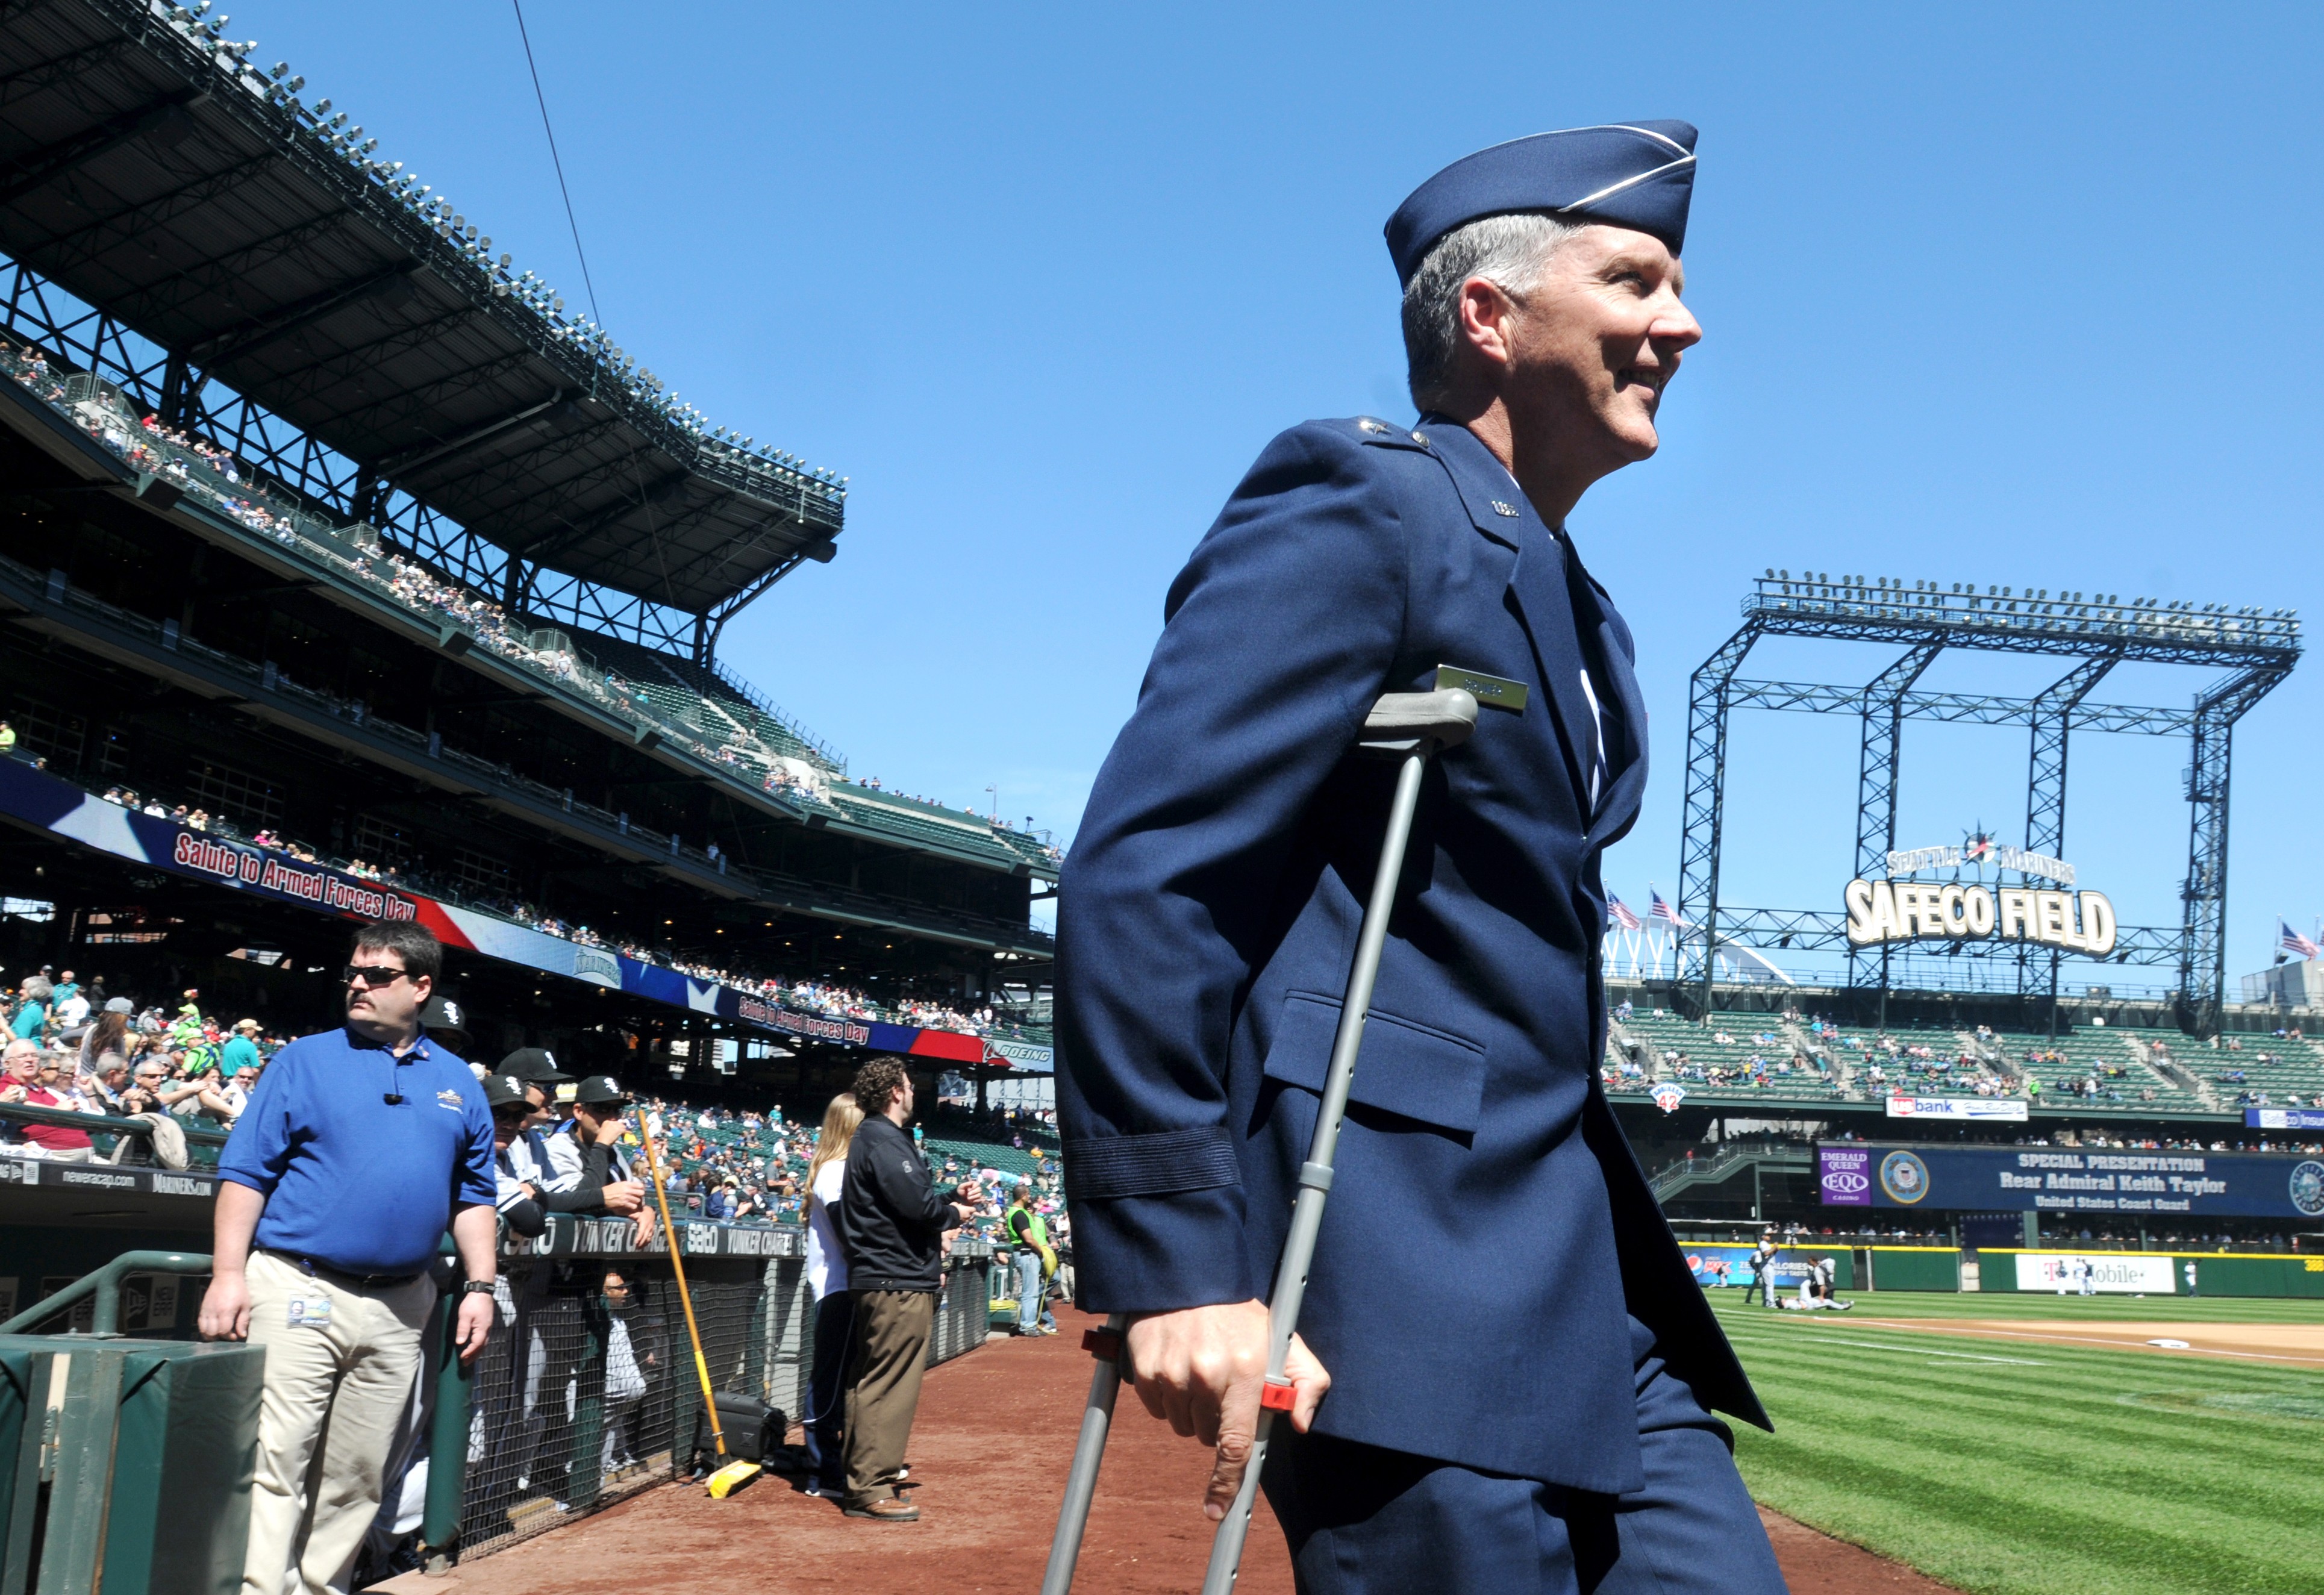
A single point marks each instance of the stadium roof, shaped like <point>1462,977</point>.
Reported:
<point>148,168</point>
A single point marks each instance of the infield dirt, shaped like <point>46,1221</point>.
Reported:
<point>988,1456</point>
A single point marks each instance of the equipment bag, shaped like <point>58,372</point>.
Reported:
<point>754,1430</point>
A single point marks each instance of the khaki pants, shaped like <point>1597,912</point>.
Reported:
<point>889,1354</point>
<point>327,1416</point>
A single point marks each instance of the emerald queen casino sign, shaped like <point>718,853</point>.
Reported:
<point>1903,910</point>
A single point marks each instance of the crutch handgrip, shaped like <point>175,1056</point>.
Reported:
<point>1400,720</point>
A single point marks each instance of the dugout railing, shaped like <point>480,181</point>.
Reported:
<point>583,1395</point>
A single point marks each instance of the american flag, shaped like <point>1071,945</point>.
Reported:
<point>1620,912</point>
<point>1658,909</point>
<point>2291,941</point>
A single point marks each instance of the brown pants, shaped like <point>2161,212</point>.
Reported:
<point>884,1365</point>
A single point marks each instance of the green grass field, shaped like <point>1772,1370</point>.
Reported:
<point>2032,1469</point>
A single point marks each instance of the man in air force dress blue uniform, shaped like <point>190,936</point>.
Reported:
<point>1520,1370</point>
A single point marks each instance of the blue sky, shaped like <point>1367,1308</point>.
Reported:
<point>2013,295</point>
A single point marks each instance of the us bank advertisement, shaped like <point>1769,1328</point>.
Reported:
<point>2072,1180</point>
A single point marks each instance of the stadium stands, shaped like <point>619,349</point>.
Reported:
<point>2279,1071</point>
<point>1755,1054</point>
<point>766,1156</point>
<point>730,727</point>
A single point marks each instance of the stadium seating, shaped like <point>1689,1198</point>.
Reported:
<point>729,725</point>
<point>2260,1071</point>
<point>1755,1055</point>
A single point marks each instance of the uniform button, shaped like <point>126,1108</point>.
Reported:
<point>1421,439</point>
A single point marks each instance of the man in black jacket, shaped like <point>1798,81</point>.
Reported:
<point>892,1225</point>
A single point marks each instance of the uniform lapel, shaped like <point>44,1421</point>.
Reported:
<point>1625,749</point>
<point>1538,585</point>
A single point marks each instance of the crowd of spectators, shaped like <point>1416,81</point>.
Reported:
<point>75,1048</point>
<point>751,1167</point>
<point>1812,1053</point>
<point>821,997</point>
<point>729,734</point>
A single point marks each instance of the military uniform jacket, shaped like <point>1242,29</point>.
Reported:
<point>1488,1227</point>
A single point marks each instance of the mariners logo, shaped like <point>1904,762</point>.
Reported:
<point>2308,1188</point>
<point>1904,1177</point>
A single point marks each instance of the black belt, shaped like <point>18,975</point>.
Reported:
<point>322,1270</point>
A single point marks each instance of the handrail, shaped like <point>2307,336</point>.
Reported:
<point>105,1285</point>
<point>102,1123</point>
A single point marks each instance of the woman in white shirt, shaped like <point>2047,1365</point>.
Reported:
<point>826,1276</point>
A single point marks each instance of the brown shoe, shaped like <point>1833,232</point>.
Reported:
<point>885,1511</point>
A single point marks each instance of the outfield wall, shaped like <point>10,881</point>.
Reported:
<point>2026,1270</point>
<point>1717,1264</point>
<point>2010,1269</point>
<point>1911,1267</point>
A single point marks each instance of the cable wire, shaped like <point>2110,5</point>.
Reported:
<point>558,162</point>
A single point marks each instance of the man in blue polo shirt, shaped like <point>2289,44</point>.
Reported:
<point>361,1146</point>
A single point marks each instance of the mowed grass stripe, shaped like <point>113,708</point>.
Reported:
<point>2096,1309</point>
<point>2076,1420</point>
<point>1920,1493</point>
<point>2006,1478</point>
<point>2135,1457</point>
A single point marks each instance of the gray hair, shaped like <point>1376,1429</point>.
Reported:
<point>1510,252</point>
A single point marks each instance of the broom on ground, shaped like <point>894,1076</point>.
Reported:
<point>729,1476</point>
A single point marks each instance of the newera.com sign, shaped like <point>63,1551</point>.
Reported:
<point>2061,1179</point>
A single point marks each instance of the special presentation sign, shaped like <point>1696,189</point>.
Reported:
<point>2061,1179</point>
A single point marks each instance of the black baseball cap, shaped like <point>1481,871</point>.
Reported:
<point>506,1091</point>
<point>444,1015</point>
<point>535,1065</point>
<point>600,1091</point>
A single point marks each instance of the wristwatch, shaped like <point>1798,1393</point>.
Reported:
<point>472,1286</point>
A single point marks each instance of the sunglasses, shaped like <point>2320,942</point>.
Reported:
<point>373,974</point>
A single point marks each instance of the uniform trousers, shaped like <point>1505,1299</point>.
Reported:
<point>327,1415</point>
<point>1364,1520</point>
<point>824,1419</point>
<point>883,1393</point>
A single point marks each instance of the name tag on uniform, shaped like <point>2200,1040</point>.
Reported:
<point>1491,692</point>
<point>310,1312</point>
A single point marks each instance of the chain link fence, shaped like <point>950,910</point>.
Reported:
<point>588,1391</point>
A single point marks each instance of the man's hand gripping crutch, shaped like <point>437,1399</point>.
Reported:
<point>1201,1369</point>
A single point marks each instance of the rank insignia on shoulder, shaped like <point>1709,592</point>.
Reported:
<point>1504,509</point>
<point>1365,423</point>
<point>1493,692</point>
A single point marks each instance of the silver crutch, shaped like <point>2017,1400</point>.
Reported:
<point>1411,727</point>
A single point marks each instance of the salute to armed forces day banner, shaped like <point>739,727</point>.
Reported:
<point>2067,1179</point>
<point>42,802</point>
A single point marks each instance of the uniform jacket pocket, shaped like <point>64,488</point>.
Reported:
<point>1408,1069</point>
